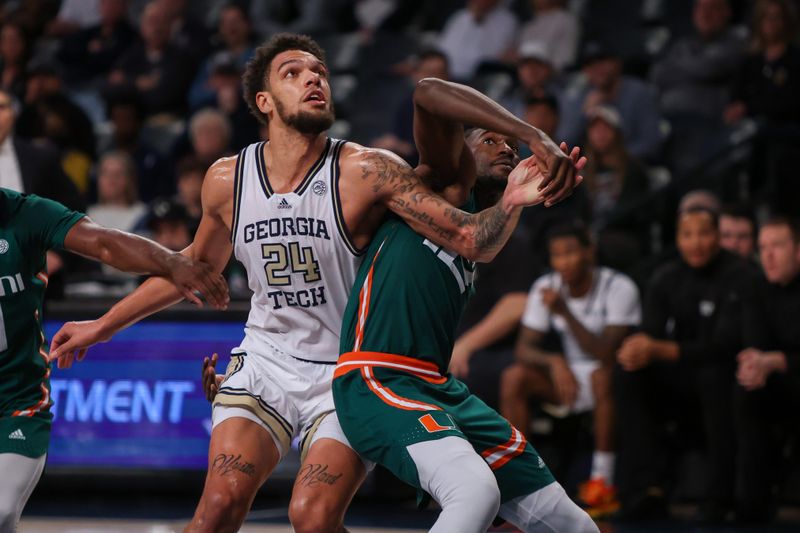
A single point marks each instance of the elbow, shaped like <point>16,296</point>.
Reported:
<point>101,245</point>
<point>475,249</point>
<point>425,88</point>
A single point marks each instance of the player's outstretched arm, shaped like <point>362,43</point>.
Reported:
<point>477,237</point>
<point>131,253</point>
<point>211,245</point>
<point>441,108</point>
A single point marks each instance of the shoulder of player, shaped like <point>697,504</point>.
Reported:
<point>369,163</point>
<point>219,181</point>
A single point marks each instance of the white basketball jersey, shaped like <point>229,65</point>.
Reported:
<point>300,260</point>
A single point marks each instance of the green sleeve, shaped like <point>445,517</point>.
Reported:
<point>46,221</point>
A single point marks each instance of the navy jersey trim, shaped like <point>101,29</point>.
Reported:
<point>315,168</point>
<point>344,232</point>
<point>261,166</point>
<point>238,177</point>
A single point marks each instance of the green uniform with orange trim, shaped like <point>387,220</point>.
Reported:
<point>391,386</point>
<point>29,226</point>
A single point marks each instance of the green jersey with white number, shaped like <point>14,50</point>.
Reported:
<point>408,297</point>
<point>29,226</point>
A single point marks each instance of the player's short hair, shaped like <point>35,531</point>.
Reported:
<point>256,74</point>
<point>574,229</point>
<point>469,131</point>
<point>780,220</point>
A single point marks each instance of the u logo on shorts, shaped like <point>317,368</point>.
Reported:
<point>432,426</point>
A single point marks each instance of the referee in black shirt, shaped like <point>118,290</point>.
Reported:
<point>769,373</point>
<point>682,366</point>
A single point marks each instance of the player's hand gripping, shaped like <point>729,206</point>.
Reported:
<point>560,172</point>
<point>189,276</point>
<point>73,340</point>
<point>211,381</point>
<point>528,183</point>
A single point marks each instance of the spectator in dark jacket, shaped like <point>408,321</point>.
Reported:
<point>90,53</point>
<point>769,80</point>
<point>160,71</point>
<point>769,372</point>
<point>695,320</point>
<point>31,168</point>
<point>696,73</point>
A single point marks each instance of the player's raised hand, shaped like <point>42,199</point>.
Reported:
<point>195,276</point>
<point>561,173</point>
<point>211,381</point>
<point>523,184</point>
<point>73,340</point>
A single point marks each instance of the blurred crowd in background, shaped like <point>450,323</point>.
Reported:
<point>688,112</point>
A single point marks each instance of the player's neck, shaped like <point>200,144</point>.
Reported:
<point>486,194</point>
<point>288,156</point>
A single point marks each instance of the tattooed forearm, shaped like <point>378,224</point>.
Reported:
<point>312,475</point>
<point>477,237</point>
<point>225,464</point>
<point>401,206</point>
<point>490,225</point>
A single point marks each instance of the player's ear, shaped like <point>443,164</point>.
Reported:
<point>265,102</point>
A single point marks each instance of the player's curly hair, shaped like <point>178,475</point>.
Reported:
<point>256,74</point>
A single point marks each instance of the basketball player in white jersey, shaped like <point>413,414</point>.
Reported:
<point>298,211</point>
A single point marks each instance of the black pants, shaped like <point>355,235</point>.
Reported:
<point>762,418</point>
<point>664,392</point>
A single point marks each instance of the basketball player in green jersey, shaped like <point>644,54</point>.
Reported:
<point>29,227</point>
<point>395,400</point>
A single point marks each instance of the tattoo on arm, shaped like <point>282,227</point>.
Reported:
<point>312,475</point>
<point>399,180</point>
<point>385,173</point>
<point>489,226</point>
<point>225,464</point>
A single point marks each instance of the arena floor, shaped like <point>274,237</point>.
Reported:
<point>376,522</point>
<point>80,525</point>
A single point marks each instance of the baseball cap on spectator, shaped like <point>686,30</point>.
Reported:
<point>607,114</point>
<point>534,51</point>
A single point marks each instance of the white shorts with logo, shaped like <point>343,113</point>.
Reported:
<point>288,397</point>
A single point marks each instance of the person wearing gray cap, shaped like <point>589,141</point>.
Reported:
<point>536,77</point>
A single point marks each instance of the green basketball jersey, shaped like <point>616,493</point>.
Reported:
<point>29,226</point>
<point>408,297</point>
